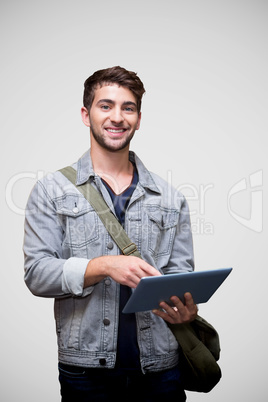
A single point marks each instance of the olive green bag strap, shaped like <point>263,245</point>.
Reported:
<point>110,222</point>
<point>199,341</point>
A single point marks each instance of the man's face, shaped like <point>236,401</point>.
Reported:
<point>113,117</point>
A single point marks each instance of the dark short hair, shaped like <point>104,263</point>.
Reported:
<point>113,75</point>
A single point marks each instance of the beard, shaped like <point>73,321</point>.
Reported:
<point>109,144</point>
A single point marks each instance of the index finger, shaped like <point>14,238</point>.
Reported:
<point>149,269</point>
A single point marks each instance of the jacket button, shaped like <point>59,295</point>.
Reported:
<point>110,245</point>
<point>107,282</point>
<point>106,321</point>
<point>102,362</point>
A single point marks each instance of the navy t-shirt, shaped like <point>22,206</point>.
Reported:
<point>127,345</point>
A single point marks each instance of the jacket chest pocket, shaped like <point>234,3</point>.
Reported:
<point>79,220</point>
<point>162,224</point>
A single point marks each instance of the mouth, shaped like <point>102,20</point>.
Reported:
<point>116,131</point>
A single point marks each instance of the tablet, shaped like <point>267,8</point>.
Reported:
<point>151,290</point>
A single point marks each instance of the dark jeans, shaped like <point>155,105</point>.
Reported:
<point>86,385</point>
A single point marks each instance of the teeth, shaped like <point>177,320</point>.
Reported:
<point>116,131</point>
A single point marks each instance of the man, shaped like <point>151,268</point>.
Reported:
<point>69,255</point>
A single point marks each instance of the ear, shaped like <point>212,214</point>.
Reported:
<point>85,116</point>
<point>139,121</point>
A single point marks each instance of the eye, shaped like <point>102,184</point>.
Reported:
<point>105,107</point>
<point>129,109</point>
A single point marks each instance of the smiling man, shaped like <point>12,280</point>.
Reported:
<point>104,354</point>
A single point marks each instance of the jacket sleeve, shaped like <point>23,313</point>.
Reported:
<point>182,255</point>
<point>47,273</point>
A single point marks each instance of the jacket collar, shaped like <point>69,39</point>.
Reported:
<point>85,171</point>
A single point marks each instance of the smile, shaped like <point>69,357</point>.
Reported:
<point>116,131</point>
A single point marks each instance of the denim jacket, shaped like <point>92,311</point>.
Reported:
<point>62,234</point>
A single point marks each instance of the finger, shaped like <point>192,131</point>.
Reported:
<point>172,311</point>
<point>134,278</point>
<point>189,301</point>
<point>191,306</point>
<point>179,305</point>
<point>164,315</point>
<point>141,267</point>
<point>185,313</point>
<point>149,270</point>
<point>169,314</point>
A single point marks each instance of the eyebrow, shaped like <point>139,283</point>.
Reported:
<point>110,101</point>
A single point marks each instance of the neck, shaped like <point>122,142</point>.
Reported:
<point>114,167</point>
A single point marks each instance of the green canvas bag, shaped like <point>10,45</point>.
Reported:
<point>198,340</point>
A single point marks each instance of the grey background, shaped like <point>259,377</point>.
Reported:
<point>204,128</point>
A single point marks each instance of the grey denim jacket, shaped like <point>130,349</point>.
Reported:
<point>62,234</point>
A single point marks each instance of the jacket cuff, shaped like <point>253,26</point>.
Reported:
<point>73,277</point>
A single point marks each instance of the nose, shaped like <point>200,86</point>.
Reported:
<point>116,115</point>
